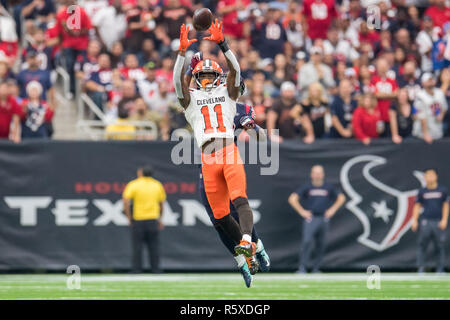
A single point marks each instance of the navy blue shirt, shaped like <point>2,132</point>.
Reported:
<point>317,199</point>
<point>269,39</point>
<point>41,76</point>
<point>49,7</point>
<point>102,77</point>
<point>432,201</point>
<point>44,55</point>
<point>343,111</point>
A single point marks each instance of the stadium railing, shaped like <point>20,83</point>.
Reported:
<point>92,121</point>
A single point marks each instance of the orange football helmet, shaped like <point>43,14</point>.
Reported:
<point>207,66</point>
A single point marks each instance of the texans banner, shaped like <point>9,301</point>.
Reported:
<point>60,204</point>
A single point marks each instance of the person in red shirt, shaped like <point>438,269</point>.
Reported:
<point>73,25</point>
<point>366,121</point>
<point>384,87</point>
<point>9,111</point>
<point>131,70</point>
<point>165,73</point>
<point>319,15</point>
<point>233,13</point>
<point>368,36</point>
<point>439,13</point>
<point>52,38</point>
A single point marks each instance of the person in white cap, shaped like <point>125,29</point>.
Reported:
<point>431,107</point>
<point>315,71</point>
<point>36,112</point>
<point>286,115</point>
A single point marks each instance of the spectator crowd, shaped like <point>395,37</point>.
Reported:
<point>313,69</point>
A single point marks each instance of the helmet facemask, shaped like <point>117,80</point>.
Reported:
<point>207,83</point>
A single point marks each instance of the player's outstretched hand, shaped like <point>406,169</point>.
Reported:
<point>184,41</point>
<point>216,32</point>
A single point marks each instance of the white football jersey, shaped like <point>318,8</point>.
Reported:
<point>211,114</point>
<point>428,107</point>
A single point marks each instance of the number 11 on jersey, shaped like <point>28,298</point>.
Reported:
<point>206,116</point>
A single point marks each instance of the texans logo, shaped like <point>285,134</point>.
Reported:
<point>386,220</point>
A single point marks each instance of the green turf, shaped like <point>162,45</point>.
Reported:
<point>228,286</point>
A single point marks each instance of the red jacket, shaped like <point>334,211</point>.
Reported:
<point>68,26</point>
<point>365,123</point>
<point>439,16</point>
<point>383,85</point>
<point>7,110</point>
<point>319,15</point>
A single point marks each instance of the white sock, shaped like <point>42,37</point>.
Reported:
<point>259,245</point>
<point>240,260</point>
<point>247,237</point>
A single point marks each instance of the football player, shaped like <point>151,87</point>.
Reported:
<point>210,110</point>
<point>244,120</point>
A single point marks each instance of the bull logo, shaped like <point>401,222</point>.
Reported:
<point>387,216</point>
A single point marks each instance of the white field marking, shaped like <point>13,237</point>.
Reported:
<point>256,298</point>
<point>175,277</point>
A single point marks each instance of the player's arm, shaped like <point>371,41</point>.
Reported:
<point>160,221</point>
<point>162,198</point>
<point>416,211</point>
<point>340,200</point>
<point>394,126</point>
<point>445,211</point>
<point>181,87</point>
<point>415,218</point>
<point>294,201</point>
<point>127,209</point>
<point>234,74</point>
<point>15,130</point>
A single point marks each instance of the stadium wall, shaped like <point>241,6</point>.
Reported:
<point>60,204</point>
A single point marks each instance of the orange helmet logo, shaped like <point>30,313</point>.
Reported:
<point>207,65</point>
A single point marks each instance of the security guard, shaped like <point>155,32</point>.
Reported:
<point>316,202</point>
<point>148,196</point>
<point>434,200</point>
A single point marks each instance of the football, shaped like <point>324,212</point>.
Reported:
<point>202,19</point>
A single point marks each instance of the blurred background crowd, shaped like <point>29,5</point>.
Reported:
<point>313,69</point>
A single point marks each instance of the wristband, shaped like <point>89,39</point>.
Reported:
<point>223,45</point>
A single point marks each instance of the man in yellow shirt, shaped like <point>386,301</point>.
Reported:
<point>148,196</point>
<point>121,129</point>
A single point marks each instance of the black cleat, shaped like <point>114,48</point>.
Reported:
<point>253,265</point>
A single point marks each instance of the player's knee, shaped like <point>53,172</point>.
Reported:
<point>220,221</point>
<point>217,226</point>
<point>220,215</point>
